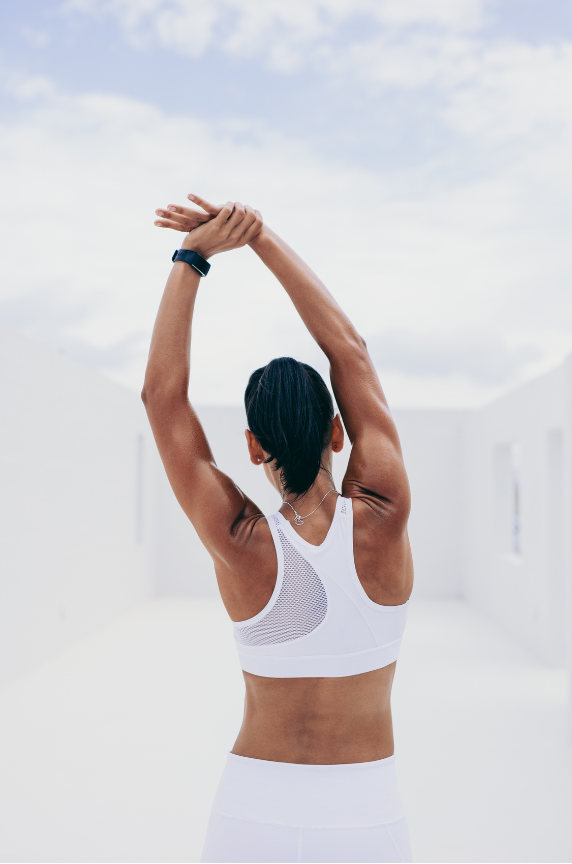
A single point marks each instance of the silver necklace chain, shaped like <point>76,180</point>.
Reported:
<point>299,520</point>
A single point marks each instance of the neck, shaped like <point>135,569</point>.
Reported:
<point>322,484</point>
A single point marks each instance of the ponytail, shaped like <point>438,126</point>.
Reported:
<point>290,411</point>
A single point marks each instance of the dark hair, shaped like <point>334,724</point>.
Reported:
<point>290,411</point>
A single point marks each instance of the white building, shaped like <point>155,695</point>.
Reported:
<point>89,526</point>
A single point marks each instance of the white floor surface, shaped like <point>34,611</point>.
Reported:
<point>112,751</point>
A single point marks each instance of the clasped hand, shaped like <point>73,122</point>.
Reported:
<point>217,229</point>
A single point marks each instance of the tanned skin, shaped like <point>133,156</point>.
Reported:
<point>303,720</point>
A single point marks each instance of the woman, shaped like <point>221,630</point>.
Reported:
<point>317,593</point>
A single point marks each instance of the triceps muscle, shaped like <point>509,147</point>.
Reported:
<point>211,500</point>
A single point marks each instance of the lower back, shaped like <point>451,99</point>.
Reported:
<point>319,721</point>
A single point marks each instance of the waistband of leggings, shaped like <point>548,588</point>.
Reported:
<point>338,767</point>
<point>319,796</point>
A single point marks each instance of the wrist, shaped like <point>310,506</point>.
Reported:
<point>195,247</point>
<point>193,259</point>
<point>260,239</point>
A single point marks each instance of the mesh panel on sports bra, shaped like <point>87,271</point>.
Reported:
<point>301,605</point>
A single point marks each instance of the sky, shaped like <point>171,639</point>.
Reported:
<point>415,152</point>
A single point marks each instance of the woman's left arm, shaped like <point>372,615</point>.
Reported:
<point>218,509</point>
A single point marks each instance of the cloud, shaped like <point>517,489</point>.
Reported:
<point>519,93</point>
<point>287,34</point>
<point>419,251</point>
<point>487,90</point>
<point>484,92</point>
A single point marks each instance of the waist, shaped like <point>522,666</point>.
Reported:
<point>318,720</point>
<point>320,796</point>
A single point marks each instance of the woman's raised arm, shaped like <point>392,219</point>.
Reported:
<point>376,467</point>
<point>220,512</point>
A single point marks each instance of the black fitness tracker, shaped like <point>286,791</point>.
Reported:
<point>192,258</point>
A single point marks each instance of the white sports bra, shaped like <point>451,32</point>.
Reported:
<point>319,622</point>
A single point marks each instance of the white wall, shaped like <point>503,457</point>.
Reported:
<point>526,591</point>
<point>432,443</point>
<point>568,531</point>
<point>75,527</point>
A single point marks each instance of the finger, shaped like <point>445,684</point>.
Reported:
<point>176,226</point>
<point>224,214</point>
<point>254,228</point>
<point>176,217</point>
<point>249,218</point>
<point>237,216</point>
<point>213,209</point>
<point>241,234</point>
<point>252,232</point>
<point>250,214</point>
<point>194,215</point>
<point>257,213</point>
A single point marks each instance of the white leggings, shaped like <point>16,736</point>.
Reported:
<point>281,811</point>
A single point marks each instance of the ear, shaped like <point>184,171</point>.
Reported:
<point>337,434</point>
<point>256,453</point>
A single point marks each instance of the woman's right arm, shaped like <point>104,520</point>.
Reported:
<point>376,470</point>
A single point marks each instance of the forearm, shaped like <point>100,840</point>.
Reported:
<point>353,375</point>
<point>168,365</point>
<point>326,321</point>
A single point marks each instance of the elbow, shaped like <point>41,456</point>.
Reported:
<point>163,393</point>
<point>347,342</point>
<point>401,504</point>
<point>359,344</point>
<point>148,394</point>
<point>402,507</point>
<point>353,352</point>
<point>356,344</point>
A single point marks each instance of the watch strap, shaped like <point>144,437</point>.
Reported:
<point>193,258</point>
